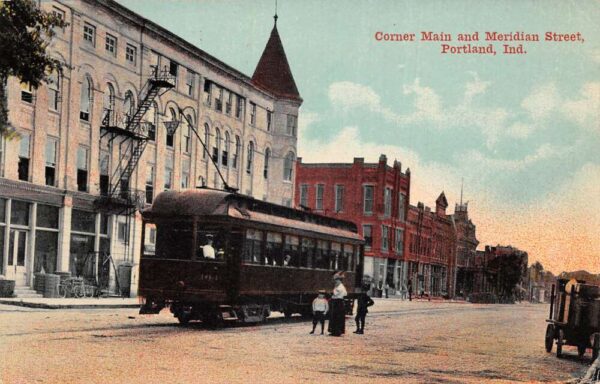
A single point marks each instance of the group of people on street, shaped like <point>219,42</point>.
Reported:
<point>337,311</point>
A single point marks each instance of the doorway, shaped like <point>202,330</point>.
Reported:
<point>17,251</point>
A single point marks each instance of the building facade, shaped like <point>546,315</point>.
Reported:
<point>466,250</point>
<point>76,156</point>
<point>372,195</point>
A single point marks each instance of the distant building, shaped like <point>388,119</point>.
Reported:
<point>70,183</point>
<point>496,267</point>
<point>466,248</point>
<point>375,196</point>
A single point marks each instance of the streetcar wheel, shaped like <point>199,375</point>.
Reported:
<point>549,337</point>
<point>559,343</point>
<point>287,313</point>
<point>581,349</point>
<point>183,316</point>
<point>596,346</point>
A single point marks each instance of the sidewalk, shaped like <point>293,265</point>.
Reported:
<point>84,303</point>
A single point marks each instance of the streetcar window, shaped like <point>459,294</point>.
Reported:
<point>308,251</point>
<point>210,244</point>
<point>291,250</point>
<point>149,239</point>
<point>252,250</point>
<point>274,254</point>
<point>334,256</point>
<point>347,259</point>
<point>174,241</point>
<point>322,255</point>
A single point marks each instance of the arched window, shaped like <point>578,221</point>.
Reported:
<point>267,158</point>
<point>206,137</point>
<point>288,166</point>
<point>54,90</point>
<point>201,182</point>
<point>238,147</point>
<point>109,105</point>
<point>225,153</point>
<point>86,99</point>
<point>216,146</point>
<point>187,133</point>
<point>250,157</point>
<point>151,121</point>
<point>128,106</point>
<point>170,134</point>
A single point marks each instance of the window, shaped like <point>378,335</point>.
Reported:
<point>26,93</point>
<point>185,173</point>
<point>53,91</point>
<point>207,92</point>
<point>225,152</point>
<point>111,44</point>
<point>401,206</point>
<point>252,113</point>
<point>151,121</point>
<point>250,157</point>
<point>368,235</point>
<point>187,139</point>
<point>387,202</point>
<point>82,169</point>
<point>150,184</point>
<point>51,161</point>
<point>384,238</point>
<point>60,14</point>
<point>304,195</point>
<point>339,198</point>
<point>168,172</point>
<point>236,155</point>
<point>267,158</point>
<point>320,188</point>
<point>130,54</point>
<point>173,68</point>
<point>108,105</point>
<point>201,182</point>
<point>86,99</point>
<point>104,167</point>
<point>269,120</point>
<point>217,146</point>
<point>206,137</point>
<point>171,135</point>
<point>219,100</point>
<point>288,166</point>
<point>254,240</point>
<point>128,107</point>
<point>122,232</point>
<point>229,103</point>
<point>239,107</point>
<point>189,82</point>
<point>23,169</point>
<point>89,34</point>
<point>292,123</point>
<point>368,199</point>
<point>399,241</point>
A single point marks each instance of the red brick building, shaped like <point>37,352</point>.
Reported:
<point>431,249</point>
<point>374,196</point>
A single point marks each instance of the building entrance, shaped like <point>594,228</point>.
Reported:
<point>17,252</point>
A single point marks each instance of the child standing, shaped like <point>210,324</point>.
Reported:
<point>363,302</point>
<point>320,307</point>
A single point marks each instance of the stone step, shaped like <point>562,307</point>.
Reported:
<point>26,292</point>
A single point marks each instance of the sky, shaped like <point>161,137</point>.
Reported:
<point>521,130</point>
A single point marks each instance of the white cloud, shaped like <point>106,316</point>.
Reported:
<point>542,101</point>
<point>349,95</point>
<point>586,109</point>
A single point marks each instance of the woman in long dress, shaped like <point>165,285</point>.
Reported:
<point>337,323</point>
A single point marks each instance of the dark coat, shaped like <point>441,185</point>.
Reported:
<point>363,302</point>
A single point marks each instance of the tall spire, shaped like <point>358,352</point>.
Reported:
<point>462,181</point>
<point>273,73</point>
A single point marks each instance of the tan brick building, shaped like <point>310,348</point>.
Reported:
<point>77,135</point>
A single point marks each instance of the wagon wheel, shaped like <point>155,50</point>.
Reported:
<point>559,343</point>
<point>596,346</point>
<point>549,337</point>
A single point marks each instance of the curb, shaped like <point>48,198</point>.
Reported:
<point>67,306</point>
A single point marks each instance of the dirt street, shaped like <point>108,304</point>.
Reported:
<point>425,342</point>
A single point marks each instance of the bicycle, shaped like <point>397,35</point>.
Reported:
<point>73,287</point>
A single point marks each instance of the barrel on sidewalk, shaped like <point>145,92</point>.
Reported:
<point>125,278</point>
<point>51,284</point>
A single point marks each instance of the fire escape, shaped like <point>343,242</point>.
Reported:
<point>131,136</point>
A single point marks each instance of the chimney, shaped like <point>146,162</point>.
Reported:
<point>383,159</point>
<point>359,160</point>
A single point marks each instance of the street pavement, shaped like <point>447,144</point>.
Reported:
<point>414,342</point>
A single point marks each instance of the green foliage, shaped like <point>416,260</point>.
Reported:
<point>25,33</point>
<point>506,271</point>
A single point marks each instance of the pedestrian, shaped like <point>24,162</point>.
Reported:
<point>337,320</point>
<point>387,288</point>
<point>409,289</point>
<point>320,307</point>
<point>403,292</point>
<point>363,302</point>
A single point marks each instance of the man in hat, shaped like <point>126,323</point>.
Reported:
<point>337,322</point>
<point>207,250</point>
<point>363,302</point>
<point>320,307</point>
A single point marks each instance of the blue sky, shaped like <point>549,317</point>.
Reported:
<point>522,130</point>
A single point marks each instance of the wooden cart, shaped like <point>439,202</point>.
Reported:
<point>574,317</point>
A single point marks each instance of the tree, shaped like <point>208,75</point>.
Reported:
<point>25,33</point>
<point>506,272</point>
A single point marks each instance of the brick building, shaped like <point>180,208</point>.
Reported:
<point>117,127</point>
<point>431,249</point>
<point>466,249</point>
<point>374,196</point>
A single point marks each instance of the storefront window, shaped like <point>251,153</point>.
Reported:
<point>104,224</point>
<point>83,221</point>
<point>2,211</point>
<point>46,246</point>
<point>82,256</point>
<point>1,250</point>
<point>19,213</point>
<point>47,216</point>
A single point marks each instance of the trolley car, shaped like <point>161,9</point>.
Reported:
<point>574,317</point>
<point>224,256</point>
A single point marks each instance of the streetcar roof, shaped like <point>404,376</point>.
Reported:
<point>210,202</point>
